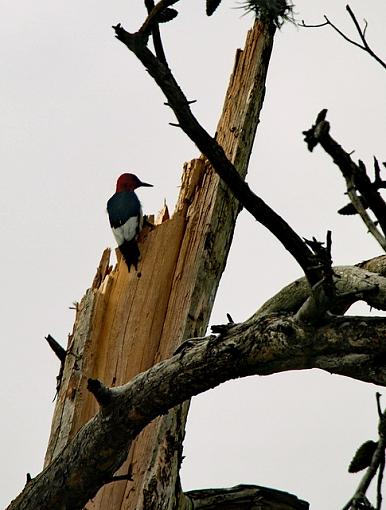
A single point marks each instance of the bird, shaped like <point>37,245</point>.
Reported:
<point>126,217</point>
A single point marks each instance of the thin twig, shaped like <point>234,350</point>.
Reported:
<point>362,34</point>
<point>377,465</point>
<point>357,26</point>
<point>379,409</point>
<point>304,25</point>
<point>346,37</point>
<point>57,348</point>
<point>151,20</point>
<point>158,47</point>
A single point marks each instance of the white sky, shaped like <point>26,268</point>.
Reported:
<point>76,111</point>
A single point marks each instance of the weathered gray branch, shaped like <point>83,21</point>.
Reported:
<point>241,497</point>
<point>377,463</point>
<point>353,346</point>
<point>353,283</point>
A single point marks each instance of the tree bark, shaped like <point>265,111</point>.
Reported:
<point>351,346</point>
<point>247,497</point>
<point>127,322</point>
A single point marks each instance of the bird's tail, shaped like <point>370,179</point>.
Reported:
<point>130,253</point>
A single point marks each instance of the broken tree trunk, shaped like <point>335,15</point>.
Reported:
<point>127,322</point>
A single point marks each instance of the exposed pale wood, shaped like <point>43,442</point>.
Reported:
<point>215,208</point>
<point>128,321</point>
<point>66,404</point>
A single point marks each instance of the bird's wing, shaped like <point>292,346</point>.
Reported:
<point>121,207</point>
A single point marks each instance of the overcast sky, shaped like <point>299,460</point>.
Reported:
<point>77,110</point>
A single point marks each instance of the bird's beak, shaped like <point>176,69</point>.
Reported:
<point>146,185</point>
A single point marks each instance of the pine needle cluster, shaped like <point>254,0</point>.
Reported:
<point>276,11</point>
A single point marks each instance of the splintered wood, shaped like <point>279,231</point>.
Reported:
<point>127,322</point>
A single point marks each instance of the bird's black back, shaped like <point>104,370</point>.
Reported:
<point>122,206</point>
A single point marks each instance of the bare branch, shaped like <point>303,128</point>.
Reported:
<point>379,409</point>
<point>352,284</point>
<point>355,174</point>
<point>216,155</point>
<point>319,25</point>
<point>377,465</point>
<point>151,22</point>
<point>357,202</point>
<point>362,34</point>
<point>243,497</point>
<point>323,298</point>
<point>61,353</point>
<point>358,27</point>
<point>57,348</point>
<point>154,13</point>
<point>211,6</point>
<point>263,345</point>
<point>379,482</point>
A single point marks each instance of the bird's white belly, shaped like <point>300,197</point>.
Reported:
<point>128,230</point>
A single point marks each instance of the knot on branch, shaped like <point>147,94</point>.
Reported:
<point>140,38</point>
<point>370,456</point>
<point>102,393</point>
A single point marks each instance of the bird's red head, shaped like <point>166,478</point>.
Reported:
<point>130,182</point>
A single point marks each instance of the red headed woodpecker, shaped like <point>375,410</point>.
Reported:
<point>126,219</point>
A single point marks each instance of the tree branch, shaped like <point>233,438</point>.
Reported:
<point>154,12</point>
<point>216,155</point>
<point>357,202</point>
<point>377,463</point>
<point>241,497</point>
<point>151,23</point>
<point>260,346</point>
<point>352,283</point>
<point>362,34</point>
<point>352,172</point>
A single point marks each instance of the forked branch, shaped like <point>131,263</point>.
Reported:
<point>363,45</point>
<point>355,175</point>
<point>263,345</point>
<point>208,145</point>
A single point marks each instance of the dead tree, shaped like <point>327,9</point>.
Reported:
<point>139,351</point>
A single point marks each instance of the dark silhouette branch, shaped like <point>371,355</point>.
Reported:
<point>377,465</point>
<point>243,497</point>
<point>362,34</point>
<point>61,353</point>
<point>355,174</point>
<point>260,346</point>
<point>216,155</point>
<point>152,22</point>
<point>154,14</point>
<point>211,6</point>
<point>57,348</point>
